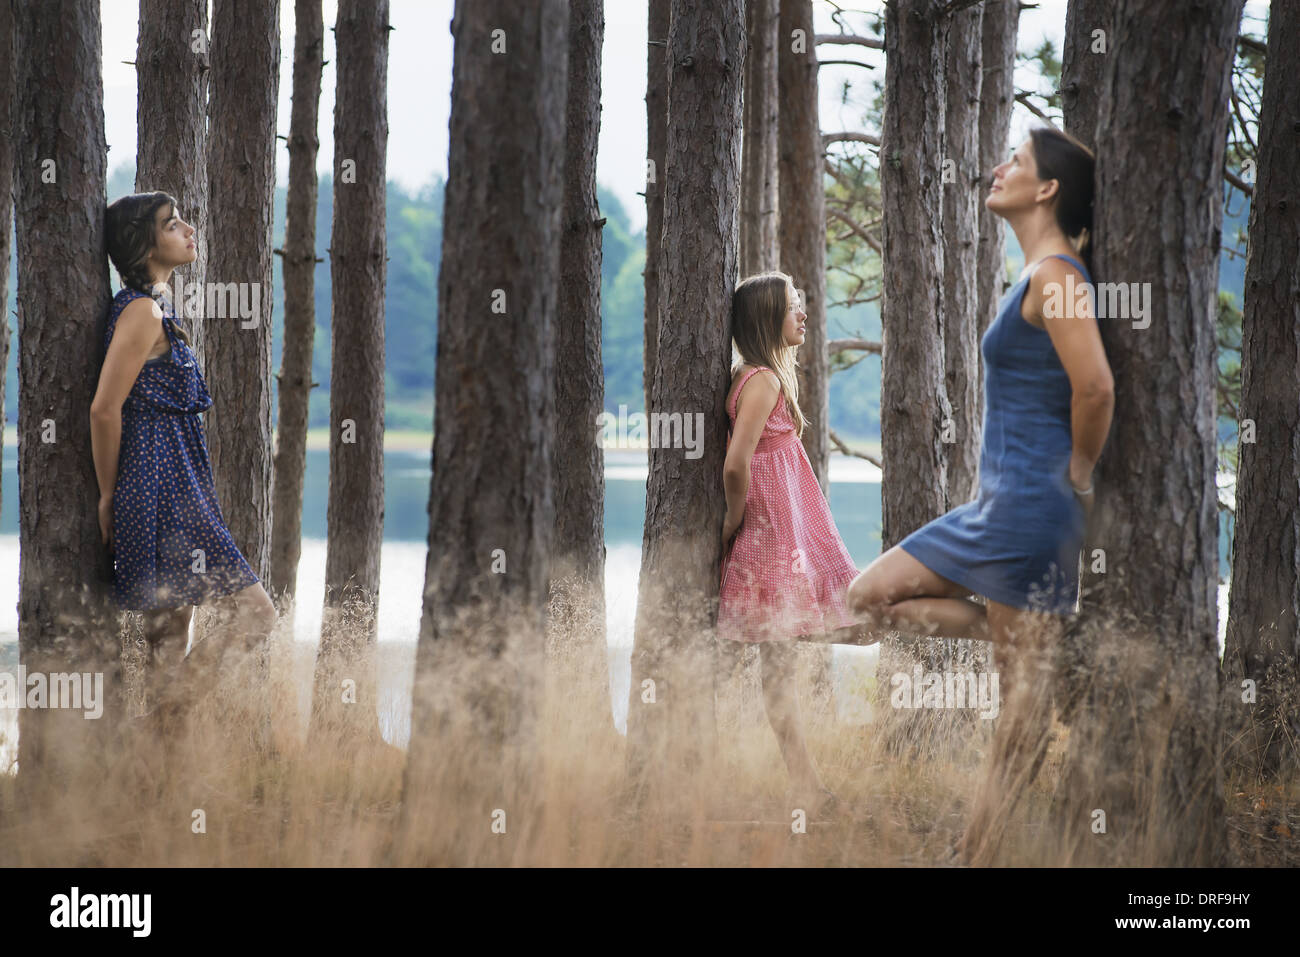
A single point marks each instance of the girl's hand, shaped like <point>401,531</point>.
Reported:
<point>729,529</point>
<point>106,520</point>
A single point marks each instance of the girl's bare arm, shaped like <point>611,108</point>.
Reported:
<point>133,339</point>
<point>764,391</point>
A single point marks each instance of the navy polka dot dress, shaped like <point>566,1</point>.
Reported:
<point>170,542</point>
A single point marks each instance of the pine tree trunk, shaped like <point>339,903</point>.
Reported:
<point>802,242</point>
<point>1144,748</point>
<point>66,620</point>
<point>8,142</point>
<point>656,105</point>
<point>671,729</point>
<point>298,267</point>
<point>913,399</point>
<point>1083,56</point>
<point>1261,642</point>
<point>576,649</point>
<point>491,506</point>
<point>759,187</point>
<point>241,181</point>
<point>171,124</point>
<point>358,280</point>
<point>962,199</point>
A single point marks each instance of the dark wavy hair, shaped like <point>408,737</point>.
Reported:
<point>1067,160</point>
<point>129,235</point>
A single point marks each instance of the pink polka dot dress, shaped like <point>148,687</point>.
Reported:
<point>786,572</point>
<point>170,542</point>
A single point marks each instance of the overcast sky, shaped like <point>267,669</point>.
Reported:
<point>419,85</point>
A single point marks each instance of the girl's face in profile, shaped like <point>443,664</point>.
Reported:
<point>794,327</point>
<point>174,243</point>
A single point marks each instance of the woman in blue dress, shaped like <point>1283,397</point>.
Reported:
<point>1048,405</point>
<point>158,511</point>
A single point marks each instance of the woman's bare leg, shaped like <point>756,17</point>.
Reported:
<point>167,633</point>
<point>781,699</point>
<point>1024,725</point>
<point>897,592</point>
<point>242,621</point>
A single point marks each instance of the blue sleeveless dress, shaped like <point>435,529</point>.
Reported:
<point>1018,542</point>
<point>170,542</point>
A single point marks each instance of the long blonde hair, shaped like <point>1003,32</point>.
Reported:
<point>758,312</point>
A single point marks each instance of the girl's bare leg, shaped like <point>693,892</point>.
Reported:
<point>781,699</point>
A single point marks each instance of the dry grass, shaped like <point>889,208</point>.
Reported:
<point>339,801</point>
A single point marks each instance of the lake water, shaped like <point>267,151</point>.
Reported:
<point>854,502</point>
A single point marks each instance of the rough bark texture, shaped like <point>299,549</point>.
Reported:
<point>65,616</point>
<point>913,399</point>
<point>298,267</point>
<point>1145,746</point>
<point>962,199</point>
<point>491,505</point>
<point>670,715</point>
<point>241,179</point>
<point>8,142</point>
<point>577,613</point>
<point>758,174</point>
<point>656,105</point>
<point>171,68</point>
<point>802,242</point>
<point>358,280</point>
<point>999,28</point>
<point>1262,642</point>
<point>1081,66</point>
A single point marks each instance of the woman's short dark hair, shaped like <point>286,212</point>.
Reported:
<point>1062,157</point>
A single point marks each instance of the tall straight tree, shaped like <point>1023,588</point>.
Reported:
<point>999,27</point>
<point>1083,55</point>
<point>1145,749</point>
<point>171,69</point>
<point>7,142</point>
<point>914,409</point>
<point>759,199</point>
<point>962,199</point>
<point>802,241</point>
<point>1262,642</point>
<point>802,217</point>
<point>65,618</point>
<point>656,109</point>
<point>578,566</point>
<point>670,716</point>
<point>358,279</point>
<point>244,86</point>
<point>298,267</point>
<point>491,502</point>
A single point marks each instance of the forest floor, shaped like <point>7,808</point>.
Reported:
<point>203,799</point>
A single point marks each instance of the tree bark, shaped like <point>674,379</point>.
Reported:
<point>171,68</point>
<point>1083,57</point>
<point>298,267</point>
<point>8,139</point>
<point>491,504</point>
<point>241,182</point>
<point>802,242</point>
<point>1145,747</point>
<point>656,105</point>
<point>576,649</point>
<point>998,29</point>
<point>1261,642</point>
<point>962,199</point>
<point>358,280</point>
<point>65,616</point>
<point>759,198</point>
<point>671,734</point>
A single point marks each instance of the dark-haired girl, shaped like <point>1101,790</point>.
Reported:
<point>158,511</point>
